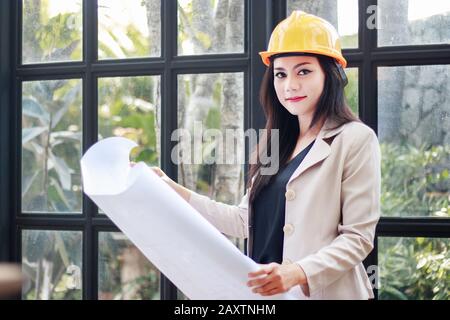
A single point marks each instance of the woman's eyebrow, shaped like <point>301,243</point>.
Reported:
<point>295,67</point>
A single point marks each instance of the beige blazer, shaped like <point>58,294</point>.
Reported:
<point>332,208</point>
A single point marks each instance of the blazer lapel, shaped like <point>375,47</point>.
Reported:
<point>319,150</point>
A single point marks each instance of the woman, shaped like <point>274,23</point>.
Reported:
<point>313,222</point>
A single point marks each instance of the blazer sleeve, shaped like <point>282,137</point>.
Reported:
<point>228,219</point>
<point>360,205</point>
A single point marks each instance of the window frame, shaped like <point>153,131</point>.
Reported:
<point>6,93</point>
<point>388,56</point>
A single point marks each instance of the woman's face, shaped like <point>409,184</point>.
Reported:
<point>298,82</point>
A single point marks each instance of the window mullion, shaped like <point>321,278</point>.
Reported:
<point>169,22</point>
<point>89,114</point>
<point>6,94</point>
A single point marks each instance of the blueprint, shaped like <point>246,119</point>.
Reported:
<point>183,245</point>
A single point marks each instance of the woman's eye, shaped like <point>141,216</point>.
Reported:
<point>304,72</point>
<point>279,75</point>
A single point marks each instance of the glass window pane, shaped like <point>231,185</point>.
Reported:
<point>414,133</point>
<point>52,31</point>
<point>52,265</point>
<point>124,273</point>
<point>413,22</point>
<point>352,89</point>
<point>211,135</point>
<point>414,268</point>
<point>342,14</point>
<point>130,107</point>
<point>129,29</point>
<point>51,146</point>
<point>210,27</point>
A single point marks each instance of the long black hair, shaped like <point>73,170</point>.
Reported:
<point>331,105</point>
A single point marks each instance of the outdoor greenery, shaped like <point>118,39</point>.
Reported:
<point>52,264</point>
<point>117,255</point>
<point>415,182</point>
<point>127,109</point>
<point>414,268</point>
<point>51,140</point>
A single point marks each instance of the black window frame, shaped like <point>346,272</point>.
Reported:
<point>375,57</point>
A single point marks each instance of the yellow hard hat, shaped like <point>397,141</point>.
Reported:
<point>304,33</point>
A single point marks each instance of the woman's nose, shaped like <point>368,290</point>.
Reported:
<point>292,84</point>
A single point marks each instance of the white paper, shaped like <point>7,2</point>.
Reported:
<point>182,244</point>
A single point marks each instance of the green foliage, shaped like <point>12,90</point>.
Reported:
<point>414,268</point>
<point>47,260</point>
<point>111,285</point>
<point>204,39</point>
<point>51,143</point>
<point>51,139</point>
<point>147,286</point>
<point>349,41</point>
<point>50,38</point>
<point>213,119</point>
<point>351,90</point>
<point>59,36</point>
<point>144,125</point>
<point>415,181</point>
<point>128,103</point>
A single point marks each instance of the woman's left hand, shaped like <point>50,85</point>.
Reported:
<point>278,278</point>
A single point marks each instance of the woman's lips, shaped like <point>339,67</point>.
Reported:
<point>296,99</point>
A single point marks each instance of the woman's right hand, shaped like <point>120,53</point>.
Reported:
<point>182,191</point>
<point>163,176</point>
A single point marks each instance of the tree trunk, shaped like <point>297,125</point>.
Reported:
<point>132,268</point>
<point>324,9</point>
<point>153,8</point>
<point>202,20</point>
<point>220,23</point>
<point>32,52</point>
<point>47,272</point>
<point>201,100</point>
<point>390,102</point>
<point>227,179</point>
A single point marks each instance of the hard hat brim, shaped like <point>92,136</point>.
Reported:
<point>265,56</point>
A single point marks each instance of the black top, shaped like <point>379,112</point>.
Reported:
<point>269,212</point>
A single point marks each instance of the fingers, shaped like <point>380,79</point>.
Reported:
<point>271,292</point>
<point>158,171</point>
<point>259,282</point>
<point>265,289</point>
<point>270,284</point>
<point>266,269</point>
